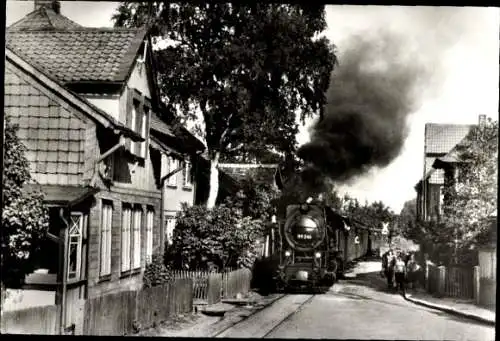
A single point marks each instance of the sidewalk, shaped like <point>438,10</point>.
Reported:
<point>221,316</point>
<point>460,307</point>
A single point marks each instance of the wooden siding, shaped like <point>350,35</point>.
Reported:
<point>118,282</point>
<point>53,132</point>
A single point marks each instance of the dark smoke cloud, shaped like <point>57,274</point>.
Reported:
<point>373,90</point>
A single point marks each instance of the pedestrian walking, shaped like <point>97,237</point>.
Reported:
<point>400,273</point>
<point>412,270</point>
<point>388,260</point>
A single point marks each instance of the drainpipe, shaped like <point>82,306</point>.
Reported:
<point>62,317</point>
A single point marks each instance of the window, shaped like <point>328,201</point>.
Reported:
<point>136,259</point>
<point>126,224</point>
<point>149,234</point>
<point>133,124</point>
<point>75,245</point>
<point>143,131</point>
<point>172,165</point>
<point>107,212</point>
<point>187,174</point>
<point>170,228</point>
<point>137,119</point>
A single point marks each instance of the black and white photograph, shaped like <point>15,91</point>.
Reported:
<point>250,170</point>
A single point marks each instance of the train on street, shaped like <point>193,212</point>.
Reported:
<point>306,250</point>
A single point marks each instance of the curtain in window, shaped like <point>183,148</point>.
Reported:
<point>137,238</point>
<point>107,212</point>
<point>149,235</point>
<point>126,222</point>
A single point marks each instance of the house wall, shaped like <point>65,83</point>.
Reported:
<point>117,281</point>
<point>175,196</point>
<point>432,200</point>
<point>139,80</point>
<point>53,132</point>
<point>108,104</point>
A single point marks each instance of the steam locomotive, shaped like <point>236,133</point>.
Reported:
<point>301,251</point>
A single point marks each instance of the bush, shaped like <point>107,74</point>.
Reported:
<point>24,217</point>
<point>219,236</point>
<point>156,273</point>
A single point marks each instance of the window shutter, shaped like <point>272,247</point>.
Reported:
<point>128,109</point>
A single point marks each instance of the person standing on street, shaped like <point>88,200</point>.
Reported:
<point>400,273</point>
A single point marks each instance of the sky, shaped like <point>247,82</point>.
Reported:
<point>460,46</point>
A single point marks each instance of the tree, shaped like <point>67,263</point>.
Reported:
<point>470,199</point>
<point>255,200</point>
<point>221,236</point>
<point>24,217</point>
<point>408,221</point>
<point>248,69</point>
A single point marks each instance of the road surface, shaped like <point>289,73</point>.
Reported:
<point>357,309</point>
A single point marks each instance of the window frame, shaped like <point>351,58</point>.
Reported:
<point>138,114</point>
<point>136,247</point>
<point>105,269</point>
<point>126,249</point>
<point>78,262</point>
<point>150,213</point>
<point>187,180</point>
<point>173,164</point>
<point>170,219</point>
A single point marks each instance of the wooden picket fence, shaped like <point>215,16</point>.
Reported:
<point>459,282</point>
<point>116,314</point>
<point>211,287</point>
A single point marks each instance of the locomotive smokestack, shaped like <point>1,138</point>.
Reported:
<point>371,94</point>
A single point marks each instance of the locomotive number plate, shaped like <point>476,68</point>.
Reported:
<point>304,236</point>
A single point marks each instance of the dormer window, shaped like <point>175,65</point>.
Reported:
<point>138,120</point>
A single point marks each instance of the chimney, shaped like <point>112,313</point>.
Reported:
<point>482,120</point>
<point>52,4</point>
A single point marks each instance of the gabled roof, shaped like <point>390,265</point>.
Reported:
<point>85,106</point>
<point>79,55</point>
<point>160,126</point>
<point>73,53</point>
<point>452,157</point>
<point>44,18</point>
<point>441,138</point>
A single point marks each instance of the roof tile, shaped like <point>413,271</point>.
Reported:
<point>441,138</point>
<point>85,54</point>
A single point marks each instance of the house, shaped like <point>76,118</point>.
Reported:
<point>98,145</point>
<point>439,140</point>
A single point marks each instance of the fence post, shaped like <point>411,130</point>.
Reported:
<point>441,280</point>
<point>476,284</point>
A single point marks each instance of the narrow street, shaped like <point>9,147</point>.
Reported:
<point>357,308</point>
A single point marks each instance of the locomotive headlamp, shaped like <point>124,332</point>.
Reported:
<point>307,222</point>
<point>287,253</point>
<point>317,255</point>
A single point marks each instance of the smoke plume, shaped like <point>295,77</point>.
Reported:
<point>372,91</point>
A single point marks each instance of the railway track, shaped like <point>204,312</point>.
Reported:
<point>264,322</point>
<point>290,315</point>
